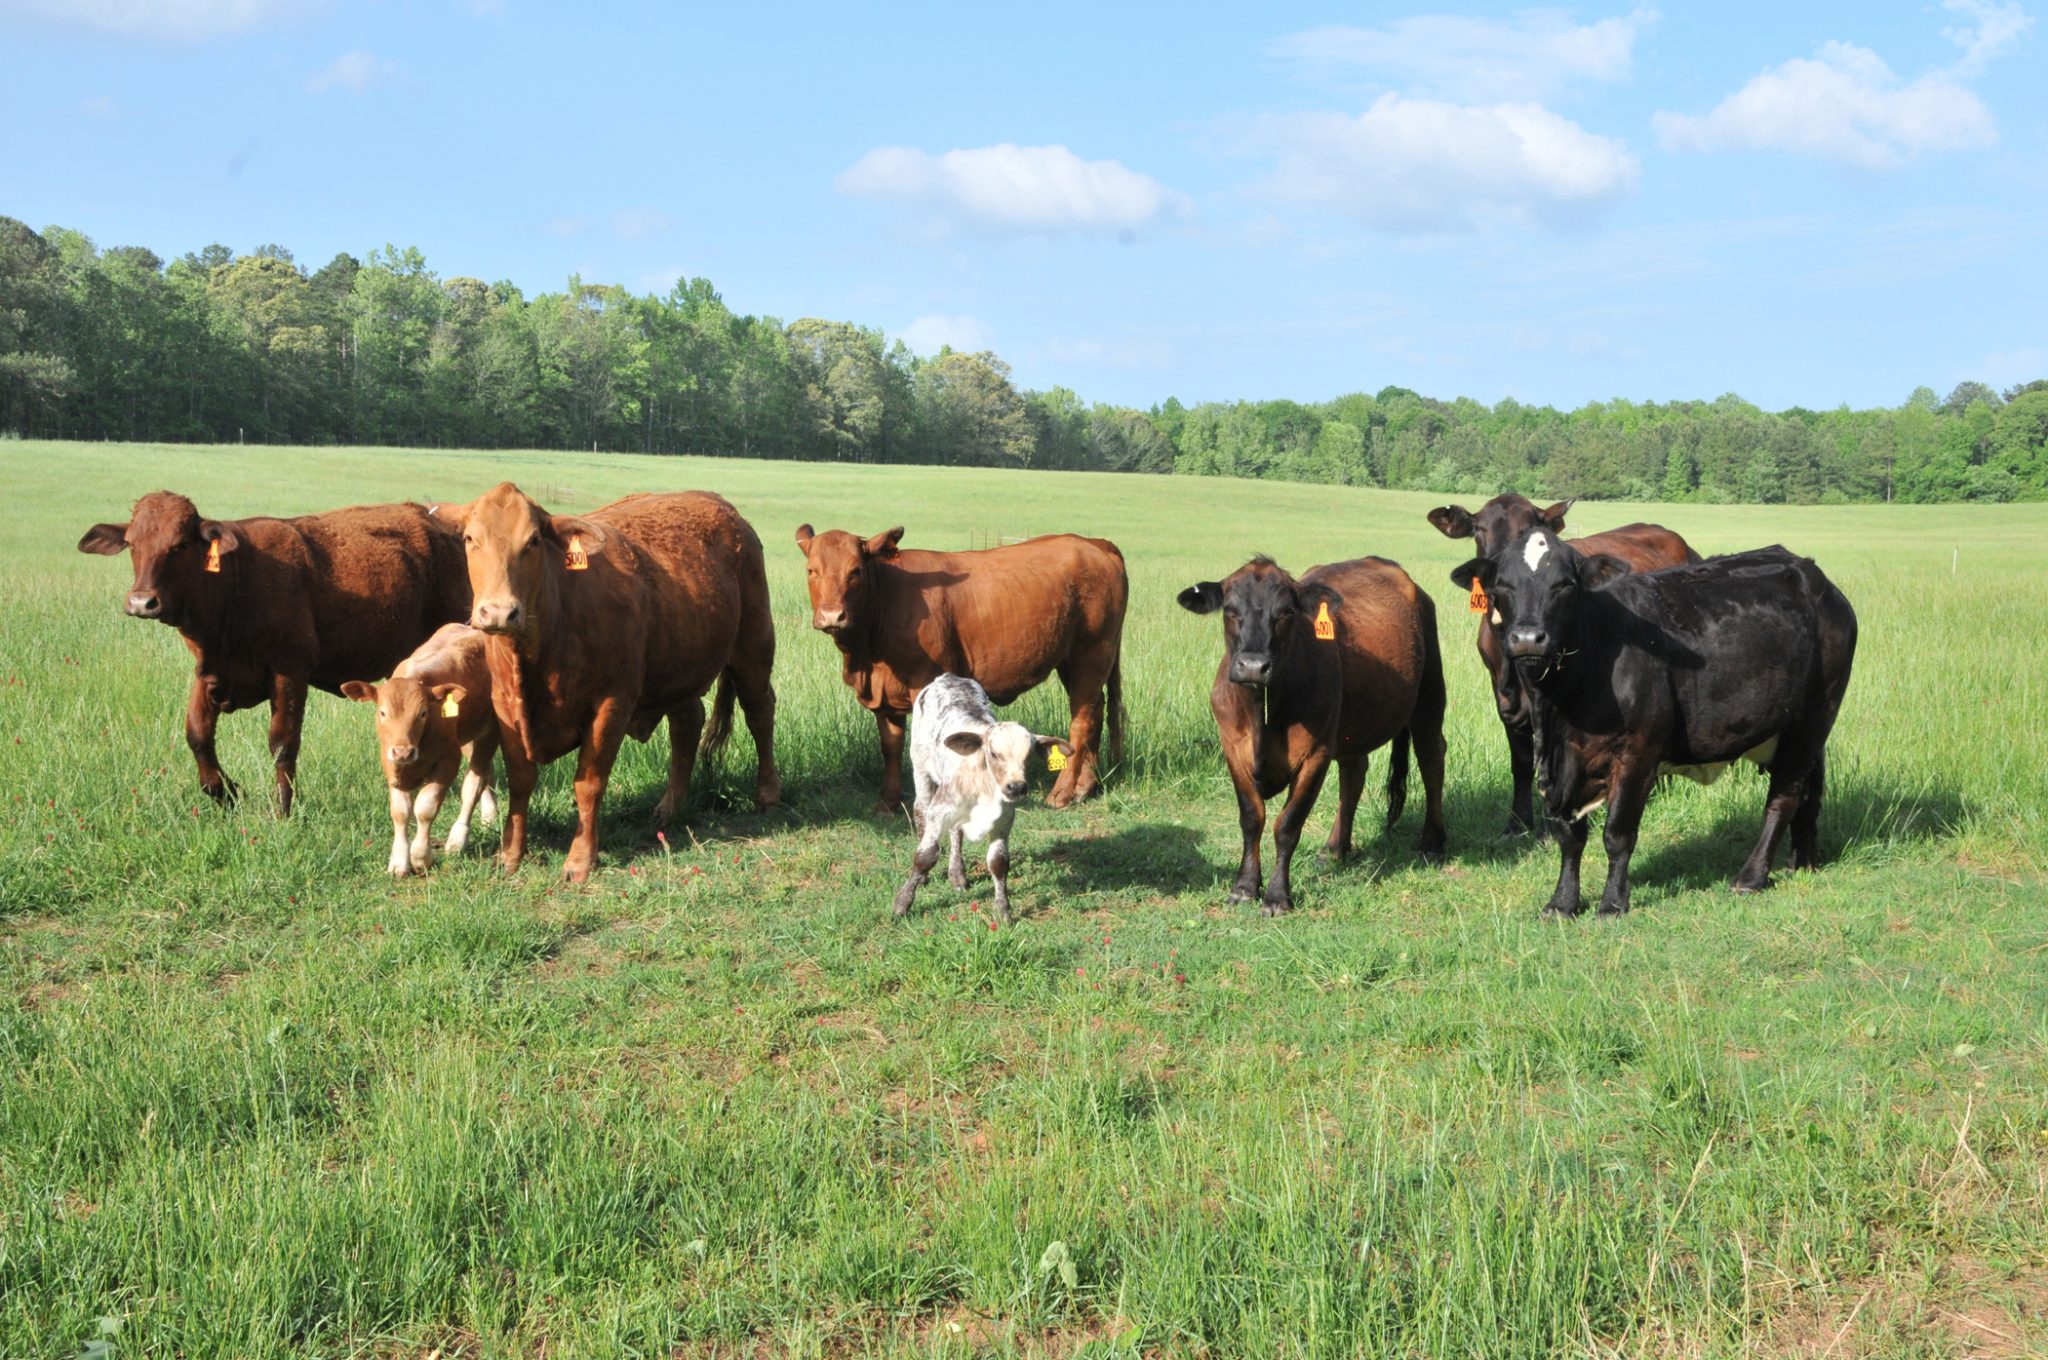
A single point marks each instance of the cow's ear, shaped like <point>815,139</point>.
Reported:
<point>1554,516</point>
<point>804,535</point>
<point>1203,597</point>
<point>1052,744</point>
<point>1600,571</point>
<point>108,540</point>
<point>592,535</point>
<point>1452,521</point>
<point>443,693</point>
<point>455,517</point>
<point>963,743</point>
<point>222,533</point>
<point>1308,598</point>
<point>362,691</point>
<point>1480,568</point>
<point>884,543</point>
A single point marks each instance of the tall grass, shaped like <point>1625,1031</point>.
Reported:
<point>257,1100</point>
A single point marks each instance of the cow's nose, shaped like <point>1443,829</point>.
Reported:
<point>1015,789</point>
<point>1528,642</point>
<point>829,620</point>
<point>144,604</point>
<point>1249,668</point>
<point>495,616</point>
<point>404,755</point>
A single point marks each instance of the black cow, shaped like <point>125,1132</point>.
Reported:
<point>1673,671</point>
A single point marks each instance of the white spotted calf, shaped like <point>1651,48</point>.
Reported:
<point>432,713</point>
<point>969,772</point>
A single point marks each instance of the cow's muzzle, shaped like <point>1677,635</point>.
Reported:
<point>145,604</point>
<point>402,756</point>
<point>832,622</point>
<point>1015,790</point>
<point>1251,668</point>
<point>1528,644</point>
<point>496,616</point>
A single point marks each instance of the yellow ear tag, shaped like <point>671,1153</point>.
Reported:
<point>1055,759</point>
<point>1478,597</point>
<point>213,556</point>
<point>1326,627</point>
<point>449,708</point>
<point>578,559</point>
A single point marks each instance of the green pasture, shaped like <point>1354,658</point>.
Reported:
<point>258,1100</point>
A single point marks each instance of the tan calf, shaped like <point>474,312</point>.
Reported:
<point>432,714</point>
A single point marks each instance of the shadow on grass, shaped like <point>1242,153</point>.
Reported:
<point>1161,856</point>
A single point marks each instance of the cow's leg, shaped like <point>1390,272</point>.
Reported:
<point>1522,767</point>
<point>521,775</point>
<point>1251,825</point>
<point>1628,792</point>
<point>1806,821</point>
<point>400,863</point>
<point>920,867</point>
<point>1083,682</point>
<point>999,870</point>
<point>202,715</point>
<point>426,805</point>
<point>1350,784</point>
<point>287,716</point>
<point>1429,759</point>
<point>752,664</point>
<point>890,727</point>
<point>685,726</point>
<point>1301,800</point>
<point>1571,848</point>
<point>593,772</point>
<point>956,866</point>
<point>1781,805</point>
<point>476,785</point>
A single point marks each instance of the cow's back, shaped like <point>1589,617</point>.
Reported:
<point>1381,633</point>
<point>1645,547</point>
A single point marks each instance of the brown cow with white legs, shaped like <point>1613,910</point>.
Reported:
<point>273,607</point>
<point>434,716</point>
<point>1004,617</point>
<point>601,625</point>
<point>1501,521</point>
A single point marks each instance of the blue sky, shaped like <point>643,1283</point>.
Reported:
<point>1810,203</point>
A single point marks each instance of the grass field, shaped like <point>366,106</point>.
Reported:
<point>258,1100</point>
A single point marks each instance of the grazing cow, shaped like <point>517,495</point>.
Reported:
<point>1674,671</point>
<point>433,714</point>
<point>1006,617</point>
<point>969,770</point>
<point>601,625</point>
<point>272,607</point>
<point>1327,668</point>
<point>1502,520</point>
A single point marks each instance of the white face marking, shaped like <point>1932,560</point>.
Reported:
<point>1537,548</point>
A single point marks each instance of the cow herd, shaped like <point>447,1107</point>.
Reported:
<point>507,631</point>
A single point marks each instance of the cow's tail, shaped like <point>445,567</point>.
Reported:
<point>1397,775</point>
<point>1115,686</point>
<point>718,726</point>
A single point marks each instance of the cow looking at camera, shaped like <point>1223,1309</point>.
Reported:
<point>1330,667</point>
<point>969,770</point>
<point>1502,520</point>
<point>1676,671</point>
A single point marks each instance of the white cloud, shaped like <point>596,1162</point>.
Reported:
<point>183,20</point>
<point>355,72</point>
<point>1024,188</point>
<point>928,334</point>
<point>1843,104</point>
<point>1531,56</point>
<point>634,223</point>
<point>1993,28</point>
<point>1422,165</point>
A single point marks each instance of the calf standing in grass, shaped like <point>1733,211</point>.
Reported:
<point>432,713</point>
<point>969,771</point>
<point>1331,667</point>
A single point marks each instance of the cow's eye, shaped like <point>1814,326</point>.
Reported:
<point>531,544</point>
<point>853,575</point>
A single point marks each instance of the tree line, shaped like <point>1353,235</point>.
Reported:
<point>216,347</point>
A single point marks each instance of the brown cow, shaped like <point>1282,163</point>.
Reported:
<point>1501,521</point>
<point>1004,617</point>
<point>1328,668</point>
<point>603,624</point>
<point>433,715</point>
<point>271,607</point>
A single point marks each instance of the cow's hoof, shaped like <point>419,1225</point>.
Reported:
<point>884,808</point>
<point>1608,911</point>
<point>1554,912</point>
<point>509,863</point>
<point>1238,897</point>
<point>664,810</point>
<point>1280,908</point>
<point>1515,829</point>
<point>1328,856</point>
<point>398,869</point>
<point>958,880</point>
<point>576,871</point>
<point>1060,798</point>
<point>1743,887</point>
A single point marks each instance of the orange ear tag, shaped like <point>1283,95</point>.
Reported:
<point>450,708</point>
<point>1326,627</point>
<point>578,559</point>
<point>1478,597</point>
<point>1055,759</point>
<point>213,556</point>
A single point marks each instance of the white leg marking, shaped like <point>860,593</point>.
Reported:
<point>424,809</point>
<point>401,813</point>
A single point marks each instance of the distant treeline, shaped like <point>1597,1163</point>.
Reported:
<point>214,346</point>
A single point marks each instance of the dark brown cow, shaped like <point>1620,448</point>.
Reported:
<point>1501,521</point>
<point>271,607</point>
<point>1004,617</point>
<point>604,624</point>
<point>1289,700</point>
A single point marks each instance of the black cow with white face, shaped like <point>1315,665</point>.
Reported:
<point>1679,671</point>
